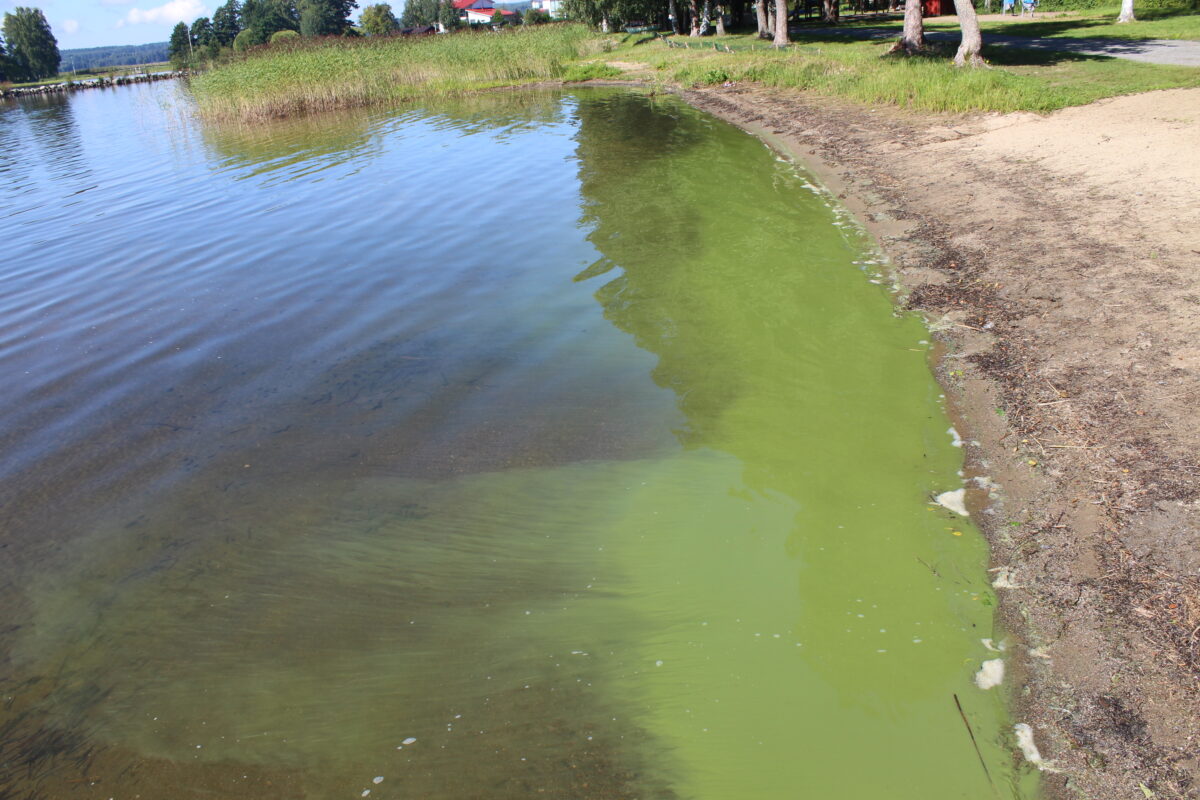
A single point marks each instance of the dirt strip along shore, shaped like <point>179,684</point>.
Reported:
<point>1059,258</point>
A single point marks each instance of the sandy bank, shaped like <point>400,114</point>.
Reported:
<point>1061,257</point>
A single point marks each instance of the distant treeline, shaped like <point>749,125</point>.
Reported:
<point>115,56</point>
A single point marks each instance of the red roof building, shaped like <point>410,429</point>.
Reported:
<point>477,16</point>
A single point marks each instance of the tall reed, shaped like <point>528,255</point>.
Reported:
<point>335,73</point>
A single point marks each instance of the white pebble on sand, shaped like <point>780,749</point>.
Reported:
<point>377,779</point>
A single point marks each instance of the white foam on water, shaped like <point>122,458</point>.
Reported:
<point>953,500</point>
<point>990,674</point>
<point>955,439</point>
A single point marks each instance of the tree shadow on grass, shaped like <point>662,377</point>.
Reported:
<point>1002,56</point>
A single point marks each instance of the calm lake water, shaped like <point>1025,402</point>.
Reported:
<point>538,444</point>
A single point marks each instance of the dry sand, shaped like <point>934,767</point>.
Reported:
<point>1060,257</point>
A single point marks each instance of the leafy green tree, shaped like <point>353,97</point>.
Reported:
<point>283,37</point>
<point>244,41</point>
<point>605,14</point>
<point>179,46</point>
<point>325,17</point>
<point>535,16</point>
<point>32,48</point>
<point>227,22</point>
<point>448,16</point>
<point>4,65</point>
<point>497,18</point>
<point>264,17</point>
<point>378,20</point>
<point>419,12</point>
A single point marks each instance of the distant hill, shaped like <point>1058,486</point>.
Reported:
<point>521,5</point>
<point>114,56</point>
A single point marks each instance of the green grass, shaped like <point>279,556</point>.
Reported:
<point>333,74</point>
<point>346,73</point>
<point>1020,80</point>
<point>1154,22</point>
<point>1151,24</point>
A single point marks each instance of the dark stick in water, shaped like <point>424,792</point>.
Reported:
<point>974,743</point>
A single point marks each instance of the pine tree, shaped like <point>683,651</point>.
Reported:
<point>264,17</point>
<point>325,17</point>
<point>179,47</point>
<point>227,22</point>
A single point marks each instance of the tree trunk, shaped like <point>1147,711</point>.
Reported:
<point>705,17</point>
<point>1127,12</point>
<point>673,13</point>
<point>769,31</point>
<point>737,12</point>
<point>720,20</point>
<point>912,40</point>
<point>694,22</point>
<point>829,11</point>
<point>604,24</point>
<point>781,23</point>
<point>972,40</point>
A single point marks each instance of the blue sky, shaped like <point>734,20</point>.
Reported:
<point>93,23</point>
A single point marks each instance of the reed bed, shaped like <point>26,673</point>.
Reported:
<point>334,73</point>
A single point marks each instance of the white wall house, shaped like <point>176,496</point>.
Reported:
<point>551,7</point>
<point>483,16</point>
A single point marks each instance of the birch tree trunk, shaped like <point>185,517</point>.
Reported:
<point>781,22</point>
<point>770,32</point>
<point>972,40</point>
<point>720,20</point>
<point>829,11</point>
<point>673,13</point>
<point>1127,12</point>
<point>705,17</point>
<point>694,22</point>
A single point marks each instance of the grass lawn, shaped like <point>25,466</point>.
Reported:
<point>1156,23</point>
<point>1151,24</point>
<point>1021,80</point>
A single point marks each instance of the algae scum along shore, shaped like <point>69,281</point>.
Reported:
<point>546,443</point>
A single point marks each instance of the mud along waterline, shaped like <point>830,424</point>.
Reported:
<point>546,443</point>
